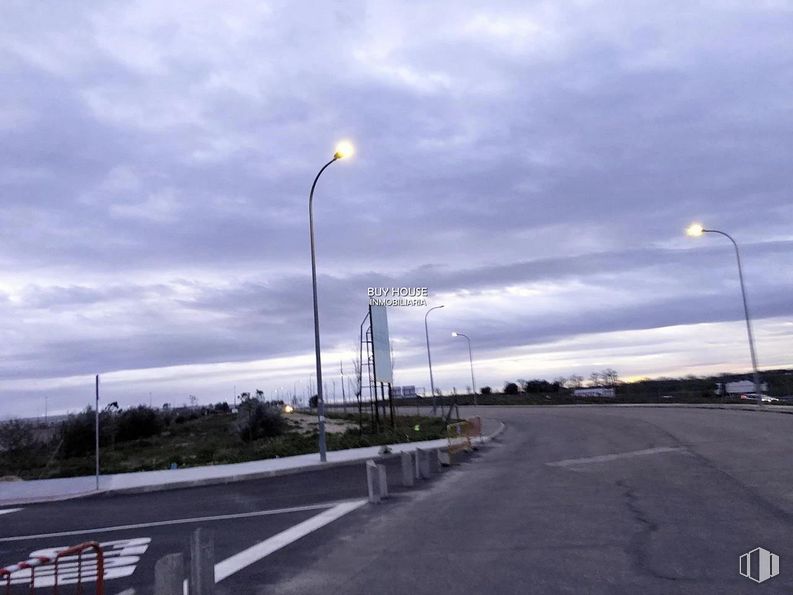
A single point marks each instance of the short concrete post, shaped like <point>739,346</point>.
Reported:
<point>383,481</point>
<point>424,463</point>
<point>373,482</point>
<point>444,458</point>
<point>408,478</point>
<point>168,575</point>
<point>202,563</point>
<point>433,461</point>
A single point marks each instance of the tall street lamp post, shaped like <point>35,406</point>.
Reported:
<point>696,230</point>
<point>429,359</point>
<point>470,360</point>
<point>343,149</point>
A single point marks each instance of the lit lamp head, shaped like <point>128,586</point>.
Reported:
<point>694,230</point>
<point>344,149</point>
<point>455,334</point>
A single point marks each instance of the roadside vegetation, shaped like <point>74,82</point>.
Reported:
<point>145,439</point>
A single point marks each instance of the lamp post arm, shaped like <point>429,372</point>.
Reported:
<point>471,363</point>
<point>429,358</point>
<point>320,399</point>
<point>749,332</point>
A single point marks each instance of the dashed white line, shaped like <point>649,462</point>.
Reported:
<point>9,510</point>
<point>614,457</point>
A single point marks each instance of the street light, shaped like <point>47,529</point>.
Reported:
<point>696,230</point>
<point>470,360</point>
<point>343,149</point>
<point>429,359</point>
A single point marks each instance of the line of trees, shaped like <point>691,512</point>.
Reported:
<point>608,377</point>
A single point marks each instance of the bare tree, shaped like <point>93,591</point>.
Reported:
<point>610,376</point>
<point>357,381</point>
<point>594,379</point>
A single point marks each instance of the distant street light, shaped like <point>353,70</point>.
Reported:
<point>429,359</point>
<point>470,359</point>
<point>343,149</point>
<point>696,230</point>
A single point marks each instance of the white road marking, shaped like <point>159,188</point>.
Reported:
<point>264,548</point>
<point>614,457</point>
<point>129,591</point>
<point>121,557</point>
<point>8,510</point>
<point>221,517</point>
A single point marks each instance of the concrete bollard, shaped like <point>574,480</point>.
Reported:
<point>383,481</point>
<point>373,482</point>
<point>168,575</point>
<point>202,563</point>
<point>444,458</point>
<point>408,473</point>
<point>433,461</point>
<point>423,463</point>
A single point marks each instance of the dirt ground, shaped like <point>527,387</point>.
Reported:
<point>309,422</point>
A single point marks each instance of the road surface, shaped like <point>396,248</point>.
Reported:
<point>591,499</point>
<point>582,500</point>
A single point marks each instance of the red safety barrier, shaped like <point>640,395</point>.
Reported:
<point>65,568</point>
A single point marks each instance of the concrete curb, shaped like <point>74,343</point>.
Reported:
<point>502,426</point>
<point>46,499</point>
<point>219,480</point>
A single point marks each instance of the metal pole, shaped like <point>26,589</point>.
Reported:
<point>372,369</point>
<point>429,360</point>
<point>749,333</point>
<point>343,394</point>
<point>96,431</point>
<point>320,401</point>
<point>471,361</point>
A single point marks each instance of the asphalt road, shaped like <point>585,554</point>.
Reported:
<point>568,500</point>
<point>145,527</point>
<point>547,511</point>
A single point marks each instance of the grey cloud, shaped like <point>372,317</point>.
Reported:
<point>519,144</point>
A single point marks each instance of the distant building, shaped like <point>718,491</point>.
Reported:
<point>739,387</point>
<point>594,392</point>
<point>403,391</point>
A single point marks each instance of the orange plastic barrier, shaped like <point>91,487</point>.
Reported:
<point>475,427</point>
<point>68,567</point>
<point>458,435</point>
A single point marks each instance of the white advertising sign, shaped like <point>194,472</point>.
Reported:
<point>381,344</point>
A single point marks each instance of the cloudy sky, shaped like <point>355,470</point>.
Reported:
<point>534,164</point>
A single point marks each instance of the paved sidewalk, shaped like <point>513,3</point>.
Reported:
<point>44,490</point>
